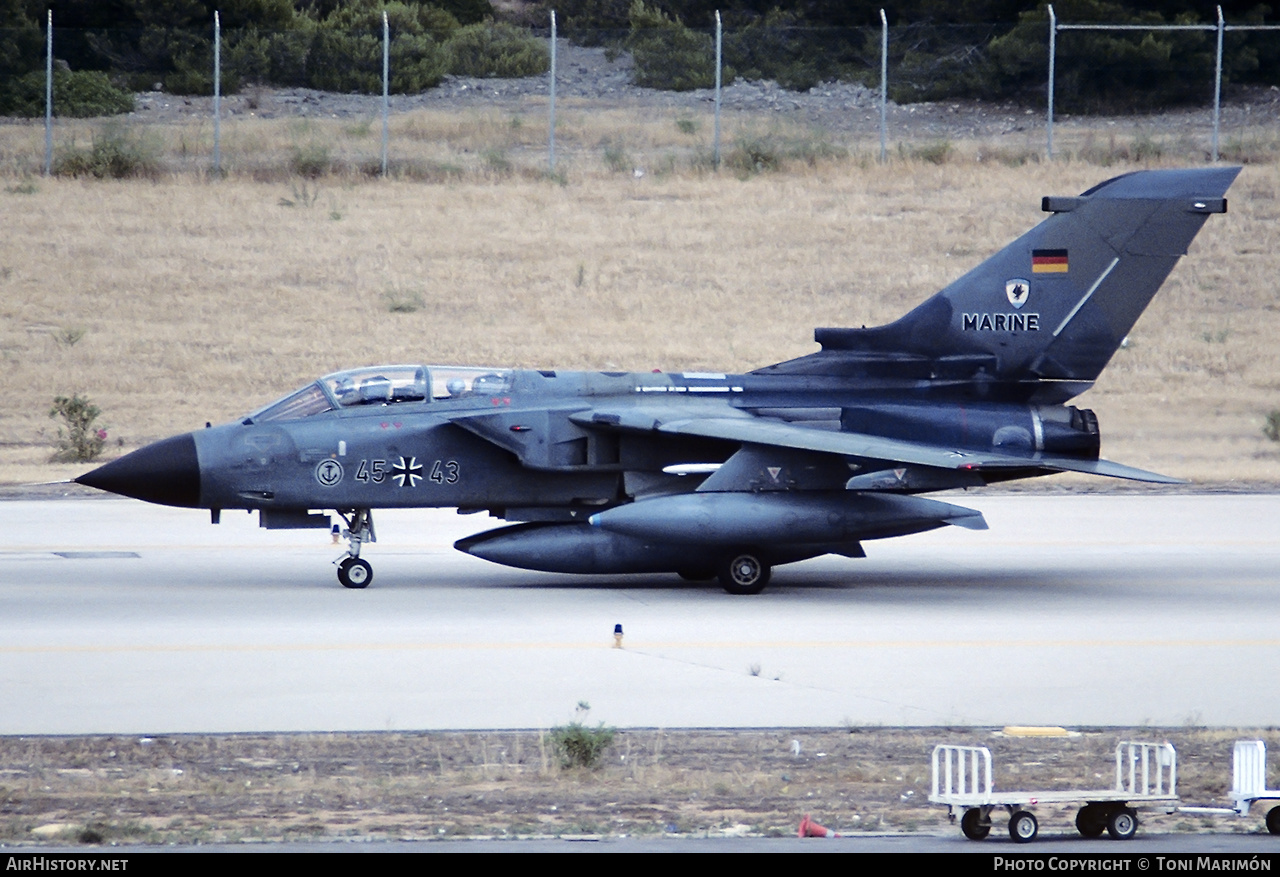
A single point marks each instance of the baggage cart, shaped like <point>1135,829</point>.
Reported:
<point>1146,776</point>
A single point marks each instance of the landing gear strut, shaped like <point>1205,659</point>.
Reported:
<point>354,572</point>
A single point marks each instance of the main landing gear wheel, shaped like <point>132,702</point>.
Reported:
<point>355,573</point>
<point>1273,820</point>
<point>1023,827</point>
<point>973,825</point>
<point>744,573</point>
<point>1122,824</point>
<point>1091,821</point>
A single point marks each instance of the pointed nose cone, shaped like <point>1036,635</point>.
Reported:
<point>166,472</point>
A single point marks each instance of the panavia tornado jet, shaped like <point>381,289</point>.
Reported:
<point>722,475</point>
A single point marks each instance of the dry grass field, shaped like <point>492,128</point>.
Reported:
<point>440,786</point>
<point>174,299</point>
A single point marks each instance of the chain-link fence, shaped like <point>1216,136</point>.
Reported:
<point>334,92</point>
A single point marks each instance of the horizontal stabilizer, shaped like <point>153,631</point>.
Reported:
<point>971,521</point>
<point>1108,469</point>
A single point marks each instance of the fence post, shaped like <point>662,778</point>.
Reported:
<point>551,122</point>
<point>717,124</point>
<point>1217,85</point>
<point>884,84</point>
<point>1053,52</point>
<point>217,94</point>
<point>48,98</point>
<point>386,86</point>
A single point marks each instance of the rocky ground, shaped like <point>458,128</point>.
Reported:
<point>445,785</point>
<point>589,77</point>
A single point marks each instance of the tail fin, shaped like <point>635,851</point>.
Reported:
<point>1054,305</point>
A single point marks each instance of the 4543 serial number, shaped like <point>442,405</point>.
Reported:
<point>407,471</point>
<point>403,472</point>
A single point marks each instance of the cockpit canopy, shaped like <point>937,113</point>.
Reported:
<point>385,385</point>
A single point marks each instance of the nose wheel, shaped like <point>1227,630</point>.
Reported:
<point>353,571</point>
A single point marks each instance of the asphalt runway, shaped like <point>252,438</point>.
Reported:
<point>121,617</point>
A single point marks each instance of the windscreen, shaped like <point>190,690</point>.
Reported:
<point>304,403</point>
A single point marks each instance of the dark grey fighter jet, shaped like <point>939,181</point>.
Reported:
<point>714,475</point>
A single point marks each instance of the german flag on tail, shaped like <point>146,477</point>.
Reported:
<point>1048,261</point>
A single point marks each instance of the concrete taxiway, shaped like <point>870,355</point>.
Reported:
<point>117,616</point>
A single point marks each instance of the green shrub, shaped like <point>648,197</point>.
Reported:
<point>115,154</point>
<point>1103,71</point>
<point>936,62</point>
<point>88,93</point>
<point>668,55</point>
<point>937,152</point>
<point>752,154</point>
<point>758,153</point>
<point>278,58</point>
<point>184,61</point>
<point>69,336</point>
<point>580,746</point>
<point>80,441</point>
<point>592,22</point>
<point>1272,427</point>
<point>79,95</point>
<point>616,158</point>
<point>353,63</point>
<point>1147,149</point>
<point>402,301</point>
<point>781,47</point>
<point>310,160</point>
<point>195,80</point>
<point>466,11</point>
<point>302,196</point>
<point>496,161</point>
<point>21,42</point>
<point>498,50</point>
<point>193,73</point>
<point>90,835</point>
<point>346,51</point>
<point>345,62</point>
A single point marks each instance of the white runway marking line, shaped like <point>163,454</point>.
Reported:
<point>649,649</point>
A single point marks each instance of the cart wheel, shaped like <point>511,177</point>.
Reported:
<point>973,826</point>
<point>1023,827</point>
<point>1273,820</point>
<point>1091,821</point>
<point>1122,824</point>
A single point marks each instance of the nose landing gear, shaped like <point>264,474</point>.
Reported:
<point>353,571</point>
